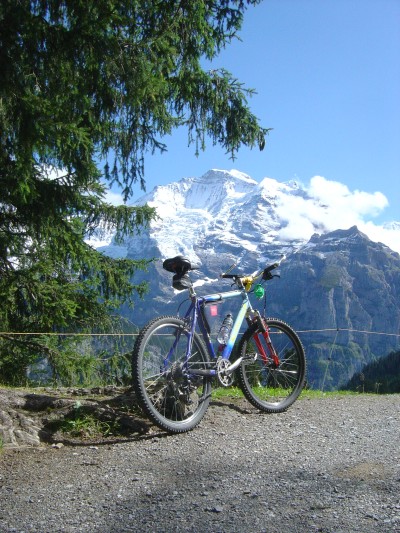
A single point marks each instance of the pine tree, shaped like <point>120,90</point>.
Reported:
<point>87,89</point>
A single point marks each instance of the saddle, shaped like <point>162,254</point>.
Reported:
<point>180,267</point>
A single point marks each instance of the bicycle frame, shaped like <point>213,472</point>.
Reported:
<point>195,310</point>
<point>175,362</point>
<point>194,316</point>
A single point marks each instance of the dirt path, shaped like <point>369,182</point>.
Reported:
<point>329,465</point>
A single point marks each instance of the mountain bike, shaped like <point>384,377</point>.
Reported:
<point>174,361</point>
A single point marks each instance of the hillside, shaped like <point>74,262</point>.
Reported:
<point>381,376</point>
<point>338,288</point>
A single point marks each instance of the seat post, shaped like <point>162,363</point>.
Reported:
<point>192,292</point>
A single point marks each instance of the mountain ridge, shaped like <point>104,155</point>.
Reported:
<point>339,281</point>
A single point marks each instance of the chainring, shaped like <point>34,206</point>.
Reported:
<point>222,366</point>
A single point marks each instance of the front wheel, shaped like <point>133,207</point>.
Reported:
<point>165,381</point>
<point>273,371</point>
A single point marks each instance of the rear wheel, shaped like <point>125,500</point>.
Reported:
<point>168,391</point>
<point>269,385</point>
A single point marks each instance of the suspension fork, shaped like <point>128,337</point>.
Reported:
<point>264,332</point>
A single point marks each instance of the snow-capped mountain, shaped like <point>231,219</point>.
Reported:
<point>233,209</point>
<point>335,285</point>
<point>220,211</point>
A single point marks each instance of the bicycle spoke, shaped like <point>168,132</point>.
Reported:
<point>273,377</point>
<point>169,393</point>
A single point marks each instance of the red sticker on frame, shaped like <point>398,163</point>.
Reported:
<point>214,310</point>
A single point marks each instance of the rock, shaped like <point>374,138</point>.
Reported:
<point>31,418</point>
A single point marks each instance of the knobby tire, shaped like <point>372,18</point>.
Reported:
<point>168,392</point>
<point>269,387</point>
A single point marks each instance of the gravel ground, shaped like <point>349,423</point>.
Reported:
<point>328,464</point>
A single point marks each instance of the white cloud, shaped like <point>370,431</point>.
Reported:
<point>330,205</point>
<point>338,196</point>
<point>113,198</point>
<point>389,236</point>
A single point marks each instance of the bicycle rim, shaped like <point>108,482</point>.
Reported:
<point>270,385</point>
<point>170,394</point>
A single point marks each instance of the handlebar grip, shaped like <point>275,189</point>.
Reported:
<point>266,273</point>
<point>267,270</point>
<point>271,267</point>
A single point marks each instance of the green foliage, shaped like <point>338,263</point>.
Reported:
<point>64,360</point>
<point>87,89</point>
<point>35,300</point>
<point>85,424</point>
<point>380,376</point>
<point>111,78</point>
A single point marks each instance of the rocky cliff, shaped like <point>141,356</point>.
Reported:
<point>349,286</point>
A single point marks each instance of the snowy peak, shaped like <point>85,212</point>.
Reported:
<point>213,218</point>
<point>217,187</point>
<point>228,212</point>
<point>219,211</point>
<point>207,192</point>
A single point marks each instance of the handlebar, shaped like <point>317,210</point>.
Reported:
<point>266,272</point>
<point>180,266</point>
<point>247,280</point>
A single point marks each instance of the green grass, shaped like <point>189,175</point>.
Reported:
<point>85,425</point>
<point>235,392</point>
<point>311,393</point>
<point>229,392</point>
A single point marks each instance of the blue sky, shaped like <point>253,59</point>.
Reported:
<point>327,76</point>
